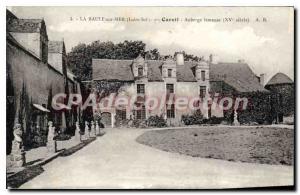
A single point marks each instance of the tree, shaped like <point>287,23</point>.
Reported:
<point>152,54</point>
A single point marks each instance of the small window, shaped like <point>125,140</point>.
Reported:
<point>140,88</point>
<point>140,72</point>
<point>121,114</point>
<point>169,72</point>
<point>202,91</point>
<point>141,112</point>
<point>203,75</point>
<point>170,88</point>
<point>171,111</point>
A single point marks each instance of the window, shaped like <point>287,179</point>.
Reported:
<point>203,75</point>
<point>121,114</point>
<point>171,111</point>
<point>141,112</point>
<point>141,88</point>
<point>169,72</point>
<point>140,72</point>
<point>202,91</point>
<point>170,88</point>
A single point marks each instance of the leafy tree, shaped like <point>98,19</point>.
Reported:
<point>152,54</point>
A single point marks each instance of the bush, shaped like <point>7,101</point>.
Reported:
<point>215,120</point>
<point>138,123</point>
<point>62,137</point>
<point>195,119</point>
<point>156,121</point>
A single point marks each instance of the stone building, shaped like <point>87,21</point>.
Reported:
<point>170,79</point>
<point>31,80</point>
<point>57,58</point>
<point>283,96</point>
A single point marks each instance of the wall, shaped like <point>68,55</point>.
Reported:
<point>55,59</point>
<point>157,90</point>
<point>37,77</point>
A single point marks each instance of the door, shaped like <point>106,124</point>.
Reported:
<point>106,119</point>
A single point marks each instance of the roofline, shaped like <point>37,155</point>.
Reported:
<point>99,59</point>
<point>30,54</point>
<point>279,84</point>
<point>110,80</point>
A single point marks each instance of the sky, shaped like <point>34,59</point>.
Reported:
<point>266,44</point>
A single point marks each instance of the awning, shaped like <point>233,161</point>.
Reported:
<point>41,108</point>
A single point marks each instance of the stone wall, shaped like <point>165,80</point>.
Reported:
<point>29,72</point>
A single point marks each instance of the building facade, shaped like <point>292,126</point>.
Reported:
<point>169,80</point>
<point>31,81</point>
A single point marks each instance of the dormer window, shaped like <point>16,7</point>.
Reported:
<point>169,72</point>
<point>140,72</point>
<point>140,68</point>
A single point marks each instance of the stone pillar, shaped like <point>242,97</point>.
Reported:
<point>77,132</point>
<point>51,142</point>
<point>17,156</point>
<point>112,120</point>
<point>97,129</point>
<point>93,131</point>
<point>235,118</point>
<point>86,130</point>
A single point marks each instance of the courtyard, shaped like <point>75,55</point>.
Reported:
<point>117,160</point>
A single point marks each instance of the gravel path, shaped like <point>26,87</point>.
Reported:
<point>116,160</point>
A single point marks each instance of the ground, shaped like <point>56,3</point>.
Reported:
<point>116,160</point>
<point>266,145</point>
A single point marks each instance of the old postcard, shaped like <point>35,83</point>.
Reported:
<point>149,97</point>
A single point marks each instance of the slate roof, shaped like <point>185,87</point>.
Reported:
<point>119,70</point>
<point>10,16</point>
<point>107,69</point>
<point>237,75</point>
<point>154,70</point>
<point>185,74</point>
<point>56,47</point>
<point>280,78</point>
<point>25,25</point>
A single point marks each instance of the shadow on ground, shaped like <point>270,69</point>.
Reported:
<point>74,149</point>
<point>20,178</point>
<point>30,172</point>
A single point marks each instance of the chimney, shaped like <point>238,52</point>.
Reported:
<point>210,58</point>
<point>262,79</point>
<point>213,59</point>
<point>241,61</point>
<point>179,58</point>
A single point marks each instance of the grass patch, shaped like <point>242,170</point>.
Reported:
<point>263,145</point>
